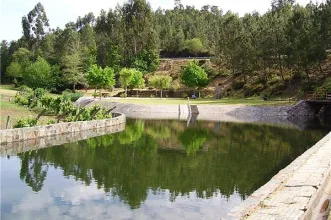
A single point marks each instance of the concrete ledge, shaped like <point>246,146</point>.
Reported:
<point>30,133</point>
<point>13,148</point>
<point>300,191</point>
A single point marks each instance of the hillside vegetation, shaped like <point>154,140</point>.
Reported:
<point>283,52</point>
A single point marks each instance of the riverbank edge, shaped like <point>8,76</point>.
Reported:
<point>29,133</point>
<point>299,191</point>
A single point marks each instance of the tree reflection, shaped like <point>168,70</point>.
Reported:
<point>160,155</point>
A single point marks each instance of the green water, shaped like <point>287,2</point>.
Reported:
<point>152,170</point>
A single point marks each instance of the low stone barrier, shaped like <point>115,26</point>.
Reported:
<point>13,148</point>
<point>30,133</point>
<point>300,191</point>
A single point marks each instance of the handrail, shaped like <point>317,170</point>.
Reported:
<point>318,96</point>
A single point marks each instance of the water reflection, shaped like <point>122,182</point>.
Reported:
<point>166,161</point>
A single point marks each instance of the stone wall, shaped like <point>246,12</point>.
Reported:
<point>13,148</point>
<point>23,134</point>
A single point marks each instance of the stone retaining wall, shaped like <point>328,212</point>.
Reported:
<point>13,148</point>
<point>23,134</point>
<point>300,191</point>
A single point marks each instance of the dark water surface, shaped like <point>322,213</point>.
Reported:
<point>152,170</point>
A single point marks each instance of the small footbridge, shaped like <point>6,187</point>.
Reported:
<point>320,102</point>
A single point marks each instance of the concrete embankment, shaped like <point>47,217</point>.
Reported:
<point>300,191</point>
<point>225,113</point>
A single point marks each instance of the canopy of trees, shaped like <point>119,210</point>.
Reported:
<point>287,37</point>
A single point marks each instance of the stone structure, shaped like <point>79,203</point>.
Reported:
<point>300,191</point>
<point>13,148</point>
<point>24,134</point>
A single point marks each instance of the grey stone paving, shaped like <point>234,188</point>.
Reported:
<point>297,192</point>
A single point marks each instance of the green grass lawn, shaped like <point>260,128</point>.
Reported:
<point>169,101</point>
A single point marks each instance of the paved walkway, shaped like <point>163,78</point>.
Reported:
<point>300,191</point>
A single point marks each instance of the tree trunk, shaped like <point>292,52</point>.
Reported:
<point>307,74</point>
<point>280,67</point>
<point>74,88</point>
<point>100,93</point>
<point>126,91</point>
<point>320,66</point>
<point>95,92</point>
<point>265,71</point>
<point>161,93</point>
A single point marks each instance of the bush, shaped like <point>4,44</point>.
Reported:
<point>72,96</point>
<point>277,88</point>
<point>39,92</point>
<point>274,81</point>
<point>238,85</point>
<point>248,90</point>
<point>184,95</point>
<point>51,121</point>
<point>21,100</point>
<point>327,85</point>
<point>25,90</point>
<point>25,122</point>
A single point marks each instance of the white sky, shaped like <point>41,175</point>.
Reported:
<point>60,12</point>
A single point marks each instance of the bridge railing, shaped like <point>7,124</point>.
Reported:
<point>318,96</point>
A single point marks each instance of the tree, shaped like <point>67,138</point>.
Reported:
<point>100,78</point>
<point>146,61</point>
<point>72,63</point>
<point>194,46</point>
<point>126,76</point>
<point>194,76</point>
<point>14,71</point>
<point>137,80</point>
<point>160,82</point>
<point>39,75</point>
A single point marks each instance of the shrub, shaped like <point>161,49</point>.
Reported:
<point>277,88</point>
<point>238,85</point>
<point>25,122</point>
<point>274,81</point>
<point>51,121</point>
<point>327,85</point>
<point>72,96</point>
<point>39,92</point>
<point>25,90</point>
<point>248,90</point>
<point>21,100</point>
<point>184,95</point>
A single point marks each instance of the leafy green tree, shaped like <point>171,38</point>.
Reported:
<point>39,75</point>
<point>160,82</point>
<point>14,71</point>
<point>194,76</point>
<point>194,46</point>
<point>126,76</point>
<point>146,61</point>
<point>100,78</point>
<point>137,80</point>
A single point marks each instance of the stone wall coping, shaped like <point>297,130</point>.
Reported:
<point>299,191</point>
<point>22,134</point>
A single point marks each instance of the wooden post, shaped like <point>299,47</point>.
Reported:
<point>8,120</point>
